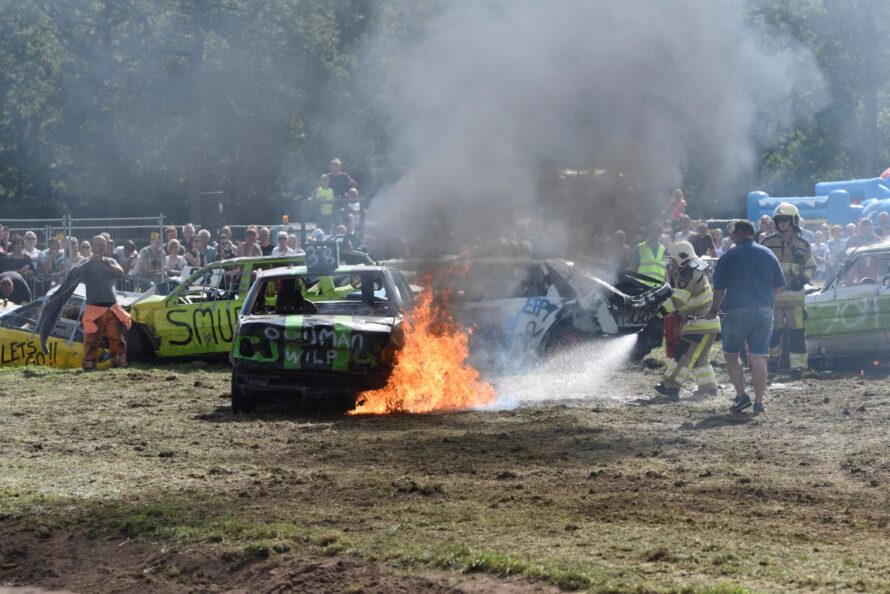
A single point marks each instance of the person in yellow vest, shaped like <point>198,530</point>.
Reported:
<point>325,194</point>
<point>691,299</point>
<point>798,264</point>
<point>648,256</point>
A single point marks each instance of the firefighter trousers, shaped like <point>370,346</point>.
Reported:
<point>693,359</point>
<point>111,328</point>
<point>789,320</point>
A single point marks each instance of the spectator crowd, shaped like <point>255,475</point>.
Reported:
<point>171,253</point>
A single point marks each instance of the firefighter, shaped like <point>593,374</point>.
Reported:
<point>690,301</point>
<point>799,266</point>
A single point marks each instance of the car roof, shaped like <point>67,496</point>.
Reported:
<point>243,259</point>
<point>295,257</point>
<point>411,264</point>
<point>869,249</point>
<point>284,271</point>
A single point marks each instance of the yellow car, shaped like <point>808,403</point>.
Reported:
<point>19,345</point>
<point>197,319</point>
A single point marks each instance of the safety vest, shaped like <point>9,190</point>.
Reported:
<point>327,195</point>
<point>651,264</point>
<point>796,258</point>
<point>691,298</point>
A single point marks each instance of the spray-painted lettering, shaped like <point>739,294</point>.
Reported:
<point>848,316</point>
<point>320,336</point>
<point>536,305</point>
<point>210,325</point>
<point>28,353</point>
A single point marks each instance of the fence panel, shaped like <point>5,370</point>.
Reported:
<point>137,229</point>
<point>43,228</point>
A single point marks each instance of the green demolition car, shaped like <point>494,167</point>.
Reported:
<point>849,319</point>
<point>197,318</point>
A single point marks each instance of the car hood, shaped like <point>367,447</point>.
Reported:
<point>256,325</point>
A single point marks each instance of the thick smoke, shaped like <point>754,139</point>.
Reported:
<point>490,97</point>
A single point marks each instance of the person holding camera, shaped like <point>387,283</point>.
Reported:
<point>103,317</point>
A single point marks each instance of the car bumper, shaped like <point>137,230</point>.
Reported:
<point>307,382</point>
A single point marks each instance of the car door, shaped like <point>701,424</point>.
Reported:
<point>509,304</point>
<point>20,346</point>
<point>851,315</point>
<point>198,317</point>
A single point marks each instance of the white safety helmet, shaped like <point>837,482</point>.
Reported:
<point>786,209</point>
<point>683,255</point>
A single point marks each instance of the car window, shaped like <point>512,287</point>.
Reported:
<point>486,281</point>
<point>865,269</point>
<point>404,289</point>
<point>357,293</point>
<point>23,318</point>
<point>216,282</point>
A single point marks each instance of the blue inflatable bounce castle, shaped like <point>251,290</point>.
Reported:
<point>835,203</point>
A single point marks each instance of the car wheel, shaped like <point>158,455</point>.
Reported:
<point>560,339</point>
<point>138,346</point>
<point>241,399</point>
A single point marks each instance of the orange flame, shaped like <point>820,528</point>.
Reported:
<point>431,372</point>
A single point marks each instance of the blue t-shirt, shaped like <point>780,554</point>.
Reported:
<point>749,273</point>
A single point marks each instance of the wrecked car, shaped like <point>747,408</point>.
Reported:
<point>321,352</point>
<point>20,345</point>
<point>518,306</point>
<point>849,318</point>
<point>197,318</point>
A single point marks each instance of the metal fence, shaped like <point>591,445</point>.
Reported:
<point>141,230</point>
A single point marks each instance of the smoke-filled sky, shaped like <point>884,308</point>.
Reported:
<point>491,92</point>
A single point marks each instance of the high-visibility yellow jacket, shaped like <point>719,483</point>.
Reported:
<point>651,264</point>
<point>691,297</point>
<point>796,257</point>
<point>326,195</point>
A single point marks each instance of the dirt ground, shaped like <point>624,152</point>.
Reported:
<point>142,480</point>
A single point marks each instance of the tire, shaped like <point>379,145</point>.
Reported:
<point>138,346</point>
<point>241,399</point>
<point>560,339</point>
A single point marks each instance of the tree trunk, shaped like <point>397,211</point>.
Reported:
<point>869,140</point>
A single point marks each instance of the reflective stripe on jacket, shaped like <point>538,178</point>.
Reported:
<point>796,258</point>
<point>692,297</point>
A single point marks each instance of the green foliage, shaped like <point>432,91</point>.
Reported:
<point>133,107</point>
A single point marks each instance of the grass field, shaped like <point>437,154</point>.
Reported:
<point>604,494</point>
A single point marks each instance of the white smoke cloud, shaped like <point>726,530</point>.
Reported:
<point>491,92</point>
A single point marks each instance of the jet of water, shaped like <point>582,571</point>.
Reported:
<point>578,373</point>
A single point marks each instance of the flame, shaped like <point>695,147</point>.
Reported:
<point>431,372</point>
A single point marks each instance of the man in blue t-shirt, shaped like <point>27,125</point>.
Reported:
<point>746,281</point>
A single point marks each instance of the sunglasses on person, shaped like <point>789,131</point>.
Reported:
<point>782,219</point>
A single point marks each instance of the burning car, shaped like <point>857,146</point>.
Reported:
<point>20,344</point>
<point>322,352</point>
<point>523,306</point>
<point>849,318</point>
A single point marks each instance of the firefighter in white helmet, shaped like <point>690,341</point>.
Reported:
<point>796,257</point>
<point>691,300</point>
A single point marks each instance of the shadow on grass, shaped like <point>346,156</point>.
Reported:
<point>717,421</point>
